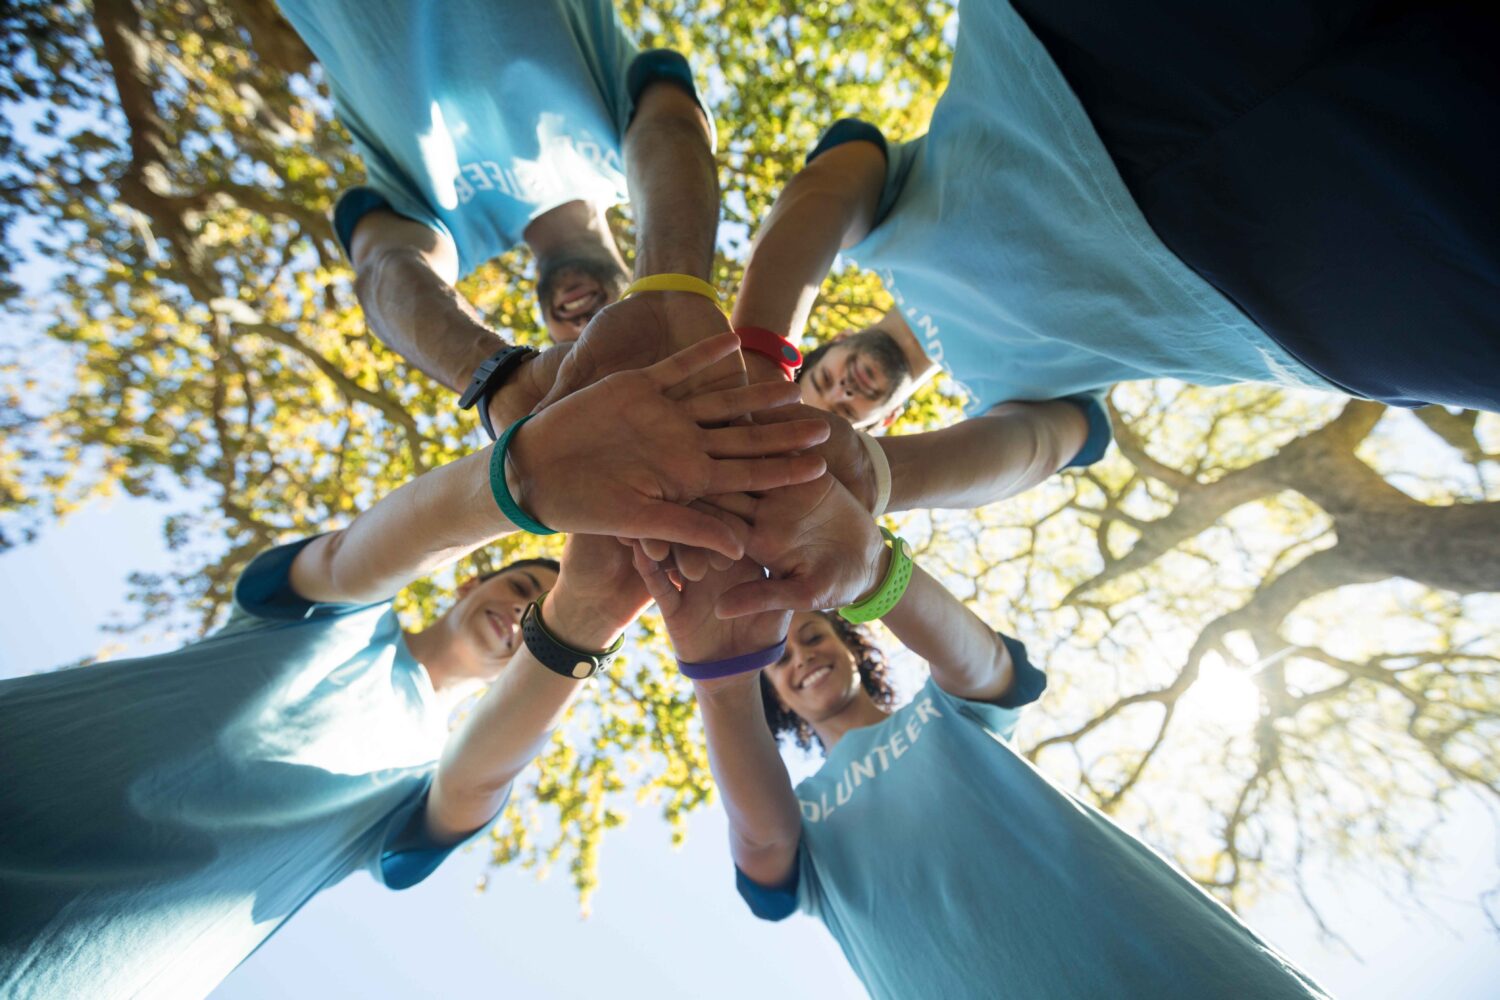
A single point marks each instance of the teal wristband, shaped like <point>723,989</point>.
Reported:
<point>891,589</point>
<point>501,491</point>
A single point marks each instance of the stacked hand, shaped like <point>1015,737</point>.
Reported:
<point>820,545</point>
<point>687,608</point>
<point>643,453</point>
<point>643,330</point>
<point>622,457</point>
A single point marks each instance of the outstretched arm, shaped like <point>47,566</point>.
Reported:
<point>765,823</point>
<point>1006,451</point>
<point>674,195</point>
<point>830,204</point>
<point>673,182</point>
<point>597,596</point>
<point>967,657</point>
<point>403,276</point>
<point>617,458</point>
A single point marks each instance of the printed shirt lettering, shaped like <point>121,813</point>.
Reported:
<point>881,758</point>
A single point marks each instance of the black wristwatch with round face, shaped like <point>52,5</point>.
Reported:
<point>491,375</point>
<point>556,655</point>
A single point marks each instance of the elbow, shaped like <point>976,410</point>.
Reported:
<point>381,265</point>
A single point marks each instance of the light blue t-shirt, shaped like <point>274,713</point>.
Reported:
<point>163,816</point>
<point>945,865</point>
<point>476,116</point>
<point>1018,257</point>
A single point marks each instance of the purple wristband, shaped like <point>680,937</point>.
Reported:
<point>744,663</point>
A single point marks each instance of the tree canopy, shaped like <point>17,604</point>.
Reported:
<point>1269,617</point>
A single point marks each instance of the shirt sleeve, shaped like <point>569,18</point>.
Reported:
<point>799,891</point>
<point>899,158</point>
<point>1001,715</point>
<point>655,65</point>
<point>264,591</point>
<point>406,854</point>
<point>1100,432</point>
<point>358,202</point>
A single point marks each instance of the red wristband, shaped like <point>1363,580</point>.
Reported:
<point>773,346</point>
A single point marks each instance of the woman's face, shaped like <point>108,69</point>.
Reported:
<point>816,678</point>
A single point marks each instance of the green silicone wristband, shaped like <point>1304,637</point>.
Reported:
<point>891,589</point>
<point>498,487</point>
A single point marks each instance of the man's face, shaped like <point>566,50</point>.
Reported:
<point>857,378</point>
<point>488,617</point>
<point>573,292</point>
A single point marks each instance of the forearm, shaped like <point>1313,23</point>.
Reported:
<point>673,182</point>
<point>418,314</point>
<point>987,458</point>
<point>828,205</point>
<point>431,521</point>
<point>967,658</point>
<point>765,821</point>
<point>791,256</point>
<point>509,725</point>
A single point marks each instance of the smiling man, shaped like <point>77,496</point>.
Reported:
<point>866,375</point>
<point>483,125</point>
<point>1284,195</point>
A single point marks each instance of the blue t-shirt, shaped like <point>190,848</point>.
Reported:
<point>476,116</point>
<point>163,816</point>
<point>945,865</point>
<point>1018,257</point>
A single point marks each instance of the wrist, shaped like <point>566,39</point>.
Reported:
<point>575,621</point>
<point>727,690</point>
<point>524,389</point>
<point>515,496</point>
<point>878,571</point>
<point>762,369</point>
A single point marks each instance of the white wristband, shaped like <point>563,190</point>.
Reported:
<point>882,472</point>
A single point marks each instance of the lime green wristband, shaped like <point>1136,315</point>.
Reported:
<point>891,589</point>
<point>501,490</point>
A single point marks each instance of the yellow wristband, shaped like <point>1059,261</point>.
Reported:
<point>674,283</point>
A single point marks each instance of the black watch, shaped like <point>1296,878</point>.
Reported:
<point>556,655</point>
<point>491,375</point>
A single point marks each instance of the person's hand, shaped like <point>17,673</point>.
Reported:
<point>848,462</point>
<point>641,331</point>
<point>687,609</point>
<point>822,548</point>
<point>621,457</point>
<point>600,575</point>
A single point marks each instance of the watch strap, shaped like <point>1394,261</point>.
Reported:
<point>891,589</point>
<point>774,346</point>
<point>491,375</point>
<point>556,655</point>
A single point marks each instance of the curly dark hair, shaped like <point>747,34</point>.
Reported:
<point>874,676</point>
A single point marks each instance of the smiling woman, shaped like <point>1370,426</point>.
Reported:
<point>924,836</point>
<point>826,649</point>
